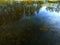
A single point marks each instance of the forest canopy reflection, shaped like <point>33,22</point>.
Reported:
<point>26,24</point>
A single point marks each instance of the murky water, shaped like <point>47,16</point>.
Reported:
<point>43,28</point>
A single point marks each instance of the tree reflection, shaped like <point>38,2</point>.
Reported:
<point>54,7</point>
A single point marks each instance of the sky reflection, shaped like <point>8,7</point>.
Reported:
<point>51,18</point>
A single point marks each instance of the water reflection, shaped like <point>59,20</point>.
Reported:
<point>22,31</point>
<point>52,18</point>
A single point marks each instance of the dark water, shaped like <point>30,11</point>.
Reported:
<point>41,29</point>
